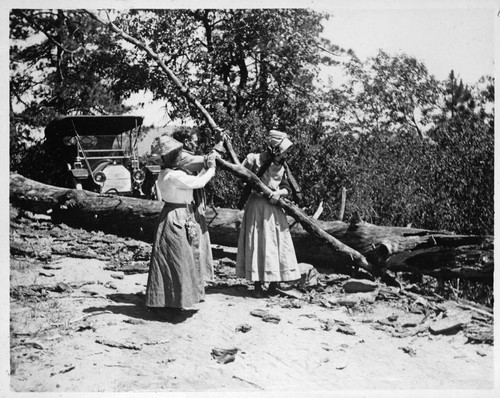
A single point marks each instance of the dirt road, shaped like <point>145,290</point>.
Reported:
<point>78,326</point>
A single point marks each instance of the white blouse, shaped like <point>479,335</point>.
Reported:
<point>177,187</point>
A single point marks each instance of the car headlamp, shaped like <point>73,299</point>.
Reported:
<point>139,176</point>
<point>100,178</point>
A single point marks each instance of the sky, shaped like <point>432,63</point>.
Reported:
<point>443,39</point>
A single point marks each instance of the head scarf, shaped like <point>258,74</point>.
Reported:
<point>163,148</point>
<point>279,139</point>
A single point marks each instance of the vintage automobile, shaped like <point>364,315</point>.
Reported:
<point>99,153</point>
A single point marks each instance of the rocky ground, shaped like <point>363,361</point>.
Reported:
<point>78,324</point>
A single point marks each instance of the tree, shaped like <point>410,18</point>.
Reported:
<point>65,67</point>
<point>373,147</point>
<point>60,63</point>
<point>457,96</point>
<point>237,62</point>
<point>383,95</point>
<point>463,176</point>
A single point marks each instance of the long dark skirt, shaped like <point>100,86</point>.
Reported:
<point>175,277</point>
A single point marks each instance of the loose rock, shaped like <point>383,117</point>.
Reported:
<point>359,286</point>
<point>450,325</point>
<point>224,355</point>
<point>244,328</point>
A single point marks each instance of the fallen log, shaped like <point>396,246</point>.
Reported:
<point>399,249</point>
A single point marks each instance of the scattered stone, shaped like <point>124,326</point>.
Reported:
<point>326,347</point>
<point>85,327</point>
<point>477,334</point>
<point>134,321</point>
<point>344,301</point>
<point>481,353</point>
<point>128,267</point>
<point>78,285</point>
<point>271,318</point>
<point>290,303</point>
<point>90,292</point>
<point>408,350</point>
<point>354,299</point>
<point>62,287</point>
<point>33,344</point>
<point>346,329</point>
<point>293,293</point>
<point>450,325</point>
<point>66,370</point>
<point>158,342</point>
<point>359,286</point>
<point>414,289</point>
<point>325,303</point>
<point>328,324</point>
<point>259,313</point>
<point>51,266</point>
<point>117,276</point>
<point>244,328</point>
<point>44,255</point>
<point>334,279</point>
<point>265,315</point>
<point>110,343</point>
<point>389,321</point>
<point>19,247</point>
<point>226,261</point>
<point>110,285</point>
<point>46,274</point>
<point>224,355</point>
<point>308,275</point>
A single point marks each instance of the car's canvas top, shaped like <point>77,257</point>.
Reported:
<point>92,125</point>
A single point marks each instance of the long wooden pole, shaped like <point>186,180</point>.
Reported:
<point>235,167</point>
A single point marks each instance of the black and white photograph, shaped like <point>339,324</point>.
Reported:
<point>285,199</point>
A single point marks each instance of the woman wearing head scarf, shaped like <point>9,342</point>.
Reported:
<point>265,247</point>
<point>175,279</point>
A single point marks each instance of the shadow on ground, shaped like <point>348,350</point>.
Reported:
<point>134,307</point>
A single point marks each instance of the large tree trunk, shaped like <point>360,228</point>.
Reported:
<point>437,253</point>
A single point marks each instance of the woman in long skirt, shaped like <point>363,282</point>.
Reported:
<point>175,279</point>
<point>194,163</point>
<point>265,247</point>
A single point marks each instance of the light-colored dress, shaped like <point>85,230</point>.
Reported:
<point>265,247</point>
<point>175,276</point>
